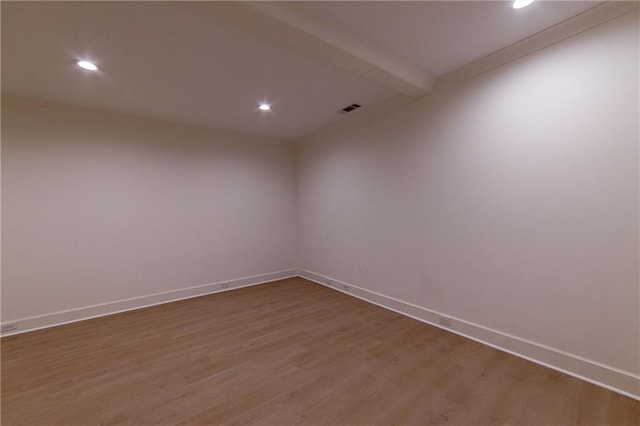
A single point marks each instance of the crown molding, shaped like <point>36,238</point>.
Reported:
<point>575,25</point>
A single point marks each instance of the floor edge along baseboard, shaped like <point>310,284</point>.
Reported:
<point>623,382</point>
<point>619,381</point>
<point>24,325</point>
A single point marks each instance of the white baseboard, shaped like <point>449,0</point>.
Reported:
<point>623,382</point>
<point>24,325</point>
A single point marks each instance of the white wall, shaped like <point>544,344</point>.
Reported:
<point>510,201</point>
<point>99,207</point>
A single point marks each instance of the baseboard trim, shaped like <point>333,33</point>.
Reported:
<point>87,312</point>
<point>620,381</point>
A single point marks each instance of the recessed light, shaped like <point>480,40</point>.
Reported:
<point>86,65</point>
<point>264,107</point>
<point>519,4</point>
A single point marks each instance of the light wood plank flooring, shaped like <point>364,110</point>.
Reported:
<point>290,352</point>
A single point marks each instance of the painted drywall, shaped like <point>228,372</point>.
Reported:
<point>100,207</point>
<point>509,201</point>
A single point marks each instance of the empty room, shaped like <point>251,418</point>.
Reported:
<point>320,213</point>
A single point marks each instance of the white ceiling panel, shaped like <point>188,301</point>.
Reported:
<point>441,36</point>
<point>172,61</point>
<point>211,63</point>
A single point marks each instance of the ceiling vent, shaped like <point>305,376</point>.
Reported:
<point>349,108</point>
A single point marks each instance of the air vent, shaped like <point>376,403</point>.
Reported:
<point>349,108</point>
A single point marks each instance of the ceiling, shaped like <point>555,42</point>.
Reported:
<point>442,36</point>
<point>211,63</point>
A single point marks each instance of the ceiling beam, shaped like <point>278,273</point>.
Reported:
<point>291,24</point>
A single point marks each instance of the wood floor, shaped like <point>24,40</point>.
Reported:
<point>290,352</point>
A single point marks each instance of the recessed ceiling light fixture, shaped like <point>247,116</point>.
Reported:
<point>519,4</point>
<point>264,107</point>
<point>86,65</point>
